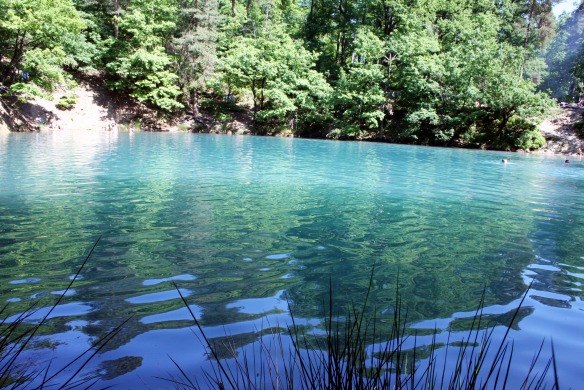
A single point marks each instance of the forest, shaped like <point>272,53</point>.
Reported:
<point>480,73</point>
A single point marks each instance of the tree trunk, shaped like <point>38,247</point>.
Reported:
<point>502,125</point>
<point>16,55</point>
<point>255,101</point>
<point>262,97</point>
<point>116,15</point>
<point>388,21</point>
<point>232,8</point>
<point>338,48</point>
<point>195,104</point>
<point>529,20</point>
<point>344,51</point>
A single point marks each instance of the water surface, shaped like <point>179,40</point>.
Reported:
<point>245,226</point>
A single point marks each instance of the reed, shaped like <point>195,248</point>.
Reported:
<point>350,355</point>
<point>351,352</point>
<point>16,336</point>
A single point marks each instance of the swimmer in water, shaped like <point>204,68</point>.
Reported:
<point>504,161</point>
<point>567,162</point>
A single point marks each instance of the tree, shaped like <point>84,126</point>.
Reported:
<point>278,72</point>
<point>137,60</point>
<point>564,59</point>
<point>540,18</point>
<point>358,97</point>
<point>195,47</point>
<point>34,43</point>
<point>456,79</point>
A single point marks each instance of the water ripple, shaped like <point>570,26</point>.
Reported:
<point>159,296</point>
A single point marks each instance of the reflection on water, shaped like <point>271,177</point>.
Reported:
<point>153,282</point>
<point>246,226</point>
<point>159,296</point>
<point>72,309</point>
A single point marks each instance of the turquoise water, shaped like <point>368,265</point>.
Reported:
<point>246,225</point>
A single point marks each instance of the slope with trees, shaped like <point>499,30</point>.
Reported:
<point>460,73</point>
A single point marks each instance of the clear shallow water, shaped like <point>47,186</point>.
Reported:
<point>241,223</point>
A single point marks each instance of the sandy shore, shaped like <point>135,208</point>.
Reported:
<point>93,111</point>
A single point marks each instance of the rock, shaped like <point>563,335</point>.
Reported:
<point>559,132</point>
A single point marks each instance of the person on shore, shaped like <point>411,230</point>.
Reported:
<point>579,152</point>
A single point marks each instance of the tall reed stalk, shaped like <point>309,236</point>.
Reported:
<point>16,336</point>
<point>351,355</point>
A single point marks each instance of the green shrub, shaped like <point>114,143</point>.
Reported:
<point>183,127</point>
<point>66,102</point>
<point>530,139</point>
<point>223,117</point>
<point>579,128</point>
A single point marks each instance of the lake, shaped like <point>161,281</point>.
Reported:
<point>245,226</point>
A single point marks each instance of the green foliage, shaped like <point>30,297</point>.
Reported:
<point>35,47</point>
<point>359,99</point>
<point>525,135</point>
<point>437,72</point>
<point>278,72</point>
<point>579,127</point>
<point>454,73</point>
<point>45,67</point>
<point>66,102</point>
<point>26,91</point>
<point>136,60</point>
<point>196,49</point>
<point>145,74</point>
<point>358,95</point>
<point>564,59</point>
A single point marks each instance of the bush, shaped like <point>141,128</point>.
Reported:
<point>66,102</point>
<point>579,128</point>
<point>530,139</point>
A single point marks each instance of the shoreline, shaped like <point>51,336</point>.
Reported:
<point>91,133</point>
<point>97,109</point>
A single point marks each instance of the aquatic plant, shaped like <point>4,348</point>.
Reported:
<point>17,334</point>
<point>353,352</point>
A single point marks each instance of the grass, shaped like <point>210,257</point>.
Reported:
<point>350,354</point>
<point>351,351</point>
<point>18,334</point>
<point>66,102</point>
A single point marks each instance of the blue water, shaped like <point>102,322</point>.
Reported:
<point>246,226</point>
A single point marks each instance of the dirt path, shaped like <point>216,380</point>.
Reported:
<point>559,132</point>
<point>94,108</point>
<point>90,112</point>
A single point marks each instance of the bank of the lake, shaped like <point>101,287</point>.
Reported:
<point>97,109</point>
